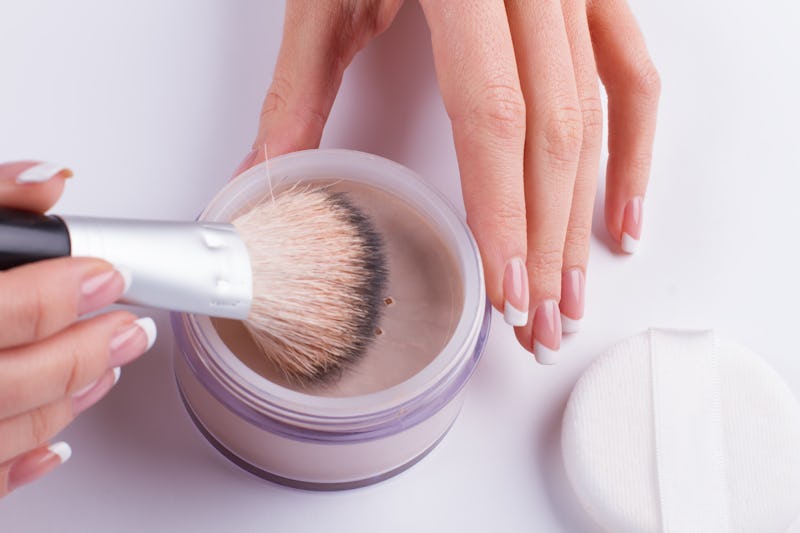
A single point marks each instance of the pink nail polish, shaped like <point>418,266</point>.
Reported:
<point>103,289</point>
<point>573,290</point>
<point>37,463</point>
<point>515,291</point>
<point>547,332</point>
<point>132,341</point>
<point>87,397</point>
<point>632,225</point>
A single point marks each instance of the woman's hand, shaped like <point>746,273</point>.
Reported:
<point>52,366</point>
<point>520,83</point>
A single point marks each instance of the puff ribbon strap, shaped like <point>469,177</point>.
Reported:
<point>689,436</point>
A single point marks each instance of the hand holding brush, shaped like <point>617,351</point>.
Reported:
<point>304,270</point>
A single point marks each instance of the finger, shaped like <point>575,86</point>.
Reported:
<point>42,298</point>
<point>576,245</point>
<point>31,185</point>
<point>31,429</point>
<point>552,152</point>
<point>62,366</point>
<point>633,88</point>
<point>319,41</point>
<point>32,465</point>
<point>478,77</point>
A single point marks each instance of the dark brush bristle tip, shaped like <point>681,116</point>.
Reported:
<point>371,289</point>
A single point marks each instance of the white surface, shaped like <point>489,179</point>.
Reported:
<point>154,103</point>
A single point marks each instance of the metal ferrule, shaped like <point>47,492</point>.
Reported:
<point>193,267</point>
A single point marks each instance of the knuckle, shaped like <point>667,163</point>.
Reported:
<point>354,29</point>
<point>545,264</point>
<point>505,223</point>
<point>276,99</point>
<point>367,19</point>
<point>36,315</point>
<point>73,371</point>
<point>563,133</point>
<point>578,238</point>
<point>645,80</point>
<point>592,117</point>
<point>303,108</point>
<point>40,425</point>
<point>499,109</point>
<point>26,310</point>
<point>637,165</point>
<point>510,215</point>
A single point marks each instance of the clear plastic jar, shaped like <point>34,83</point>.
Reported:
<point>390,411</point>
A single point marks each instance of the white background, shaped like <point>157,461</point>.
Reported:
<point>153,103</point>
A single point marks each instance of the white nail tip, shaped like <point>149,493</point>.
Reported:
<point>513,316</point>
<point>127,278</point>
<point>544,355</point>
<point>149,328</point>
<point>40,173</point>
<point>629,244</point>
<point>117,373</point>
<point>570,325</point>
<point>62,450</point>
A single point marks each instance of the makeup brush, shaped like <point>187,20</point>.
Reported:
<point>304,270</point>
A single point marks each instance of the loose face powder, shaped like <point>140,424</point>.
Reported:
<point>422,304</point>
<point>394,405</point>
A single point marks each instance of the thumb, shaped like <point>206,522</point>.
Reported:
<point>320,40</point>
<point>31,185</point>
<point>307,77</point>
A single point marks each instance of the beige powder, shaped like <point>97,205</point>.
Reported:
<point>424,301</point>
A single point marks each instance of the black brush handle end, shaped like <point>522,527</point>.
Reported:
<point>27,237</point>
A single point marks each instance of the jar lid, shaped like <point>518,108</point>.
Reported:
<point>678,431</point>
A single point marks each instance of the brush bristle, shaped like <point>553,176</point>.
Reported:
<point>319,274</point>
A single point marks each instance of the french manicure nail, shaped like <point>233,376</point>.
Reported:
<point>132,341</point>
<point>127,278</point>
<point>90,395</point>
<point>632,225</point>
<point>547,332</point>
<point>100,290</point>
<point>515,291</point>
<point>573,290</point>
<point>43,172</point>
<point>37,463</point>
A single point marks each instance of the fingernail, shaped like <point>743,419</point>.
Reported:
<point>37,463</point>
<point>246,163</point>
<point>632,225</point>
<point>573,287</point>
<point>88,396</point>
<point>547,332</point>
<point>43,172</point>
<point>515,291</point>
<point>132,341</point>
<point>100,290</point>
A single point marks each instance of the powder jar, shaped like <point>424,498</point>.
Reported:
<point>392,410</point>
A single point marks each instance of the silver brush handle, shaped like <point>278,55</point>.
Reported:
<point>193,267</point>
